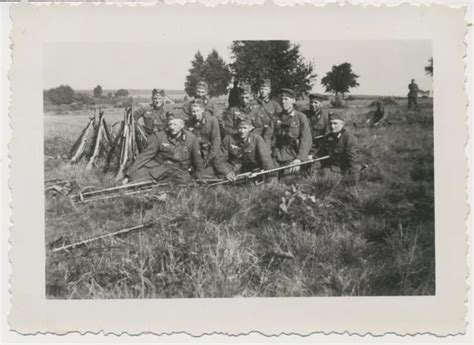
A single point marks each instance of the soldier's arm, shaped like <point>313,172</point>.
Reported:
<point>229,123</point>
<point>215,139</point>
<point>351,154</point>
<point>278,108</point>
<point>306,141</point>
<point>137,114</point>
<point>221,163</point>
<point>264,154</point>
<point>150,151</point>
<point>196,159</point>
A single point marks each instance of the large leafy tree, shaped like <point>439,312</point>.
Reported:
<point>213,70</point>
<point>429,67</point>
<point>279,61</point>
<point>340,79</point>
<point>63,94</point>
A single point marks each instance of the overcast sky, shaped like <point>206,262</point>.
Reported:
<point>384,67</point>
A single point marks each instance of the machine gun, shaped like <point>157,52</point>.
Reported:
<point>255,174</point>
<point>112,192</point>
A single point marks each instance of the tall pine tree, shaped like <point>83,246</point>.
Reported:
<point>213,70</point>
<point>279,61</point>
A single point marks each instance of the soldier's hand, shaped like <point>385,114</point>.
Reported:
<point>295,169</point>
<point>231,176</point>
<point>120,176</point>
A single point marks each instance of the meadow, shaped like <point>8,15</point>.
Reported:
<point>304,236</point>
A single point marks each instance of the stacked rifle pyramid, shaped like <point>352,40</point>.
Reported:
<point>97,141</point>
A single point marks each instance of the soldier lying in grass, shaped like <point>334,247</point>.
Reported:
<point>172,155</point>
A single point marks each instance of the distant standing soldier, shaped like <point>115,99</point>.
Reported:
<point>318,121</point>
<point>170,155</point>
<point>244,151</point>
<point>412,95</point>
<point>210,105</point>
<point>269,106</point>
<point>154,115</point>
<point>340,145</point>
<point>292,135</point>
<point>261,122</point>
<point>206,128</point>
<point>234,95</point>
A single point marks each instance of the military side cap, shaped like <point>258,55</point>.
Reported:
<point>336,116</point>
<point>171,115</point>
<point>244,121</point>
<point>265,83</point>
<point>316,96</point>
<point>198,102</point>
<point>160,92</point>
<point>288,93</point>
<point>245,89</point>
<point>202,85</point>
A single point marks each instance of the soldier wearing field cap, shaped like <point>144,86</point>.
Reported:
<point>340,145</point>
<point>261,123</point>
<point>269,106</point>
<point>210,105</point>
<point>171,155</point>
<point>206,128</point>
<point>292,135</point>
<point>318,120</point>
<point>154,115</point>
<point>243,151</point>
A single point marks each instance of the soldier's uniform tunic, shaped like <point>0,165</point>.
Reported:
<point>341,147</point>
<point>412,95</point>
<point>270,107</point>
<point>168,158</point>
<point>319,125</point>
<point>292,137</point>
<point>208,133</point>
<point>260,121</point>
<point>155,119</point>
<point>242,156</point>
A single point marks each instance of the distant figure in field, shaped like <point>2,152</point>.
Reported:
<point>340,145</point>
<point>377,115</point>
<point>170,155</point>
<point>234,95</point>
<point>413,95</point>
<point>154,115</point>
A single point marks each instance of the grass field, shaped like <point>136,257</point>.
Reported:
<point>376,238</point>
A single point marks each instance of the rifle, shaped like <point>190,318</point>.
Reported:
<point>112,192</point>
<point>110,234</point>
<point>255,174</point>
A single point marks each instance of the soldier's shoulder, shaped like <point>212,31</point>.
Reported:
<point>189,135</point>
<point>158,137</point>
<point>301,115</point>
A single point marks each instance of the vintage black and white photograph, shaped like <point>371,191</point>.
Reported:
<point>238,168</point>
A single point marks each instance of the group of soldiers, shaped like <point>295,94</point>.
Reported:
<point>201,141</point>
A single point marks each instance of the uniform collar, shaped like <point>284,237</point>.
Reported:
<point>180,137</point>
<point>158,108</point>
<point>291,113</point>
<point>266,100</point>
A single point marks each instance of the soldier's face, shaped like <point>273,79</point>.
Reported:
<point>244,131</point>
<point>157,101</point>
<point>245,99</point>
<point>336,125</point>
<point>264,92</point>
<point>197,112</point>
<point>201,93</point>
<point>175,126</point>
<point>287,103</point>
<point>314,104</point>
